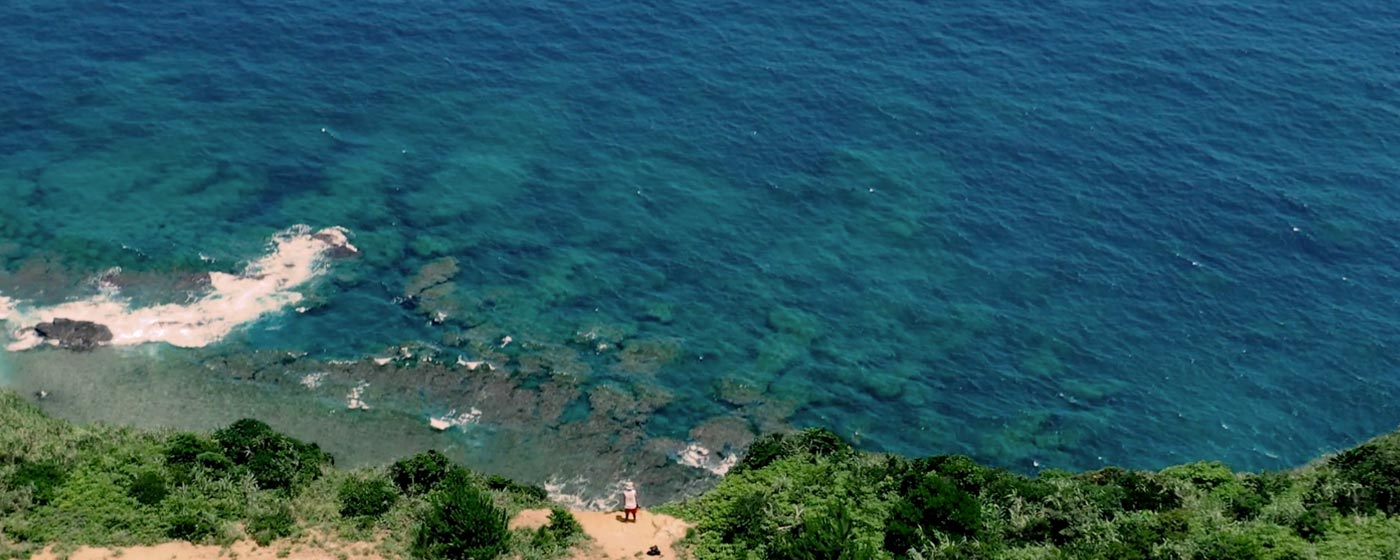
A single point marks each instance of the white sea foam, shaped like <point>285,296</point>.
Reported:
<point>313,380</point>
<point>695,455</point>
<point>570,493</point>
<point>355,400</point>
<point>452,418</point>
<point>266,285</point>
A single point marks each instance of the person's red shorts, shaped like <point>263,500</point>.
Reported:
<point>632,511</point>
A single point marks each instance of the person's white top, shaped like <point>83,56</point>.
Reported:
<point>629,499</point>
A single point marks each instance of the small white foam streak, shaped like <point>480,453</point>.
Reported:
<point>266,285</point>
<point>695,455</point>
<point>559,492</point>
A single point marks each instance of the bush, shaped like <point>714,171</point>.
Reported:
<point>277,462</point>
<point>185,449</point>
<point>193,526</point>
<point>563,525</point>
<point>148,488</point>
<point>1125,490</point>
<point>560,532</point>
<point>830,536</point>
<point>529,491</point>
<point>420,473</point>
<point>746,521</point>
<point>461,522</point>
<point>767,449</point>
<point>271,525</point>
<point>1375,466</point>
<point>1206,475</point>
<point>42,479</point>
<point>935,504</point>
<point>366,497</point>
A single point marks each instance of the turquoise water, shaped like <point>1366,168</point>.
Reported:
<point>1063,234</point>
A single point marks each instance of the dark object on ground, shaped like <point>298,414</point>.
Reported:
<point>75,335</point>
<point>653,551</point>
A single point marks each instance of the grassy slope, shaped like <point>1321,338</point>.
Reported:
<point>805,495</point>
<point>93,502</point>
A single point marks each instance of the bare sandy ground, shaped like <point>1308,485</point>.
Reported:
<point>242,550</point>
<point>612,540</point>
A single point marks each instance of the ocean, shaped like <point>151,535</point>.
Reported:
<point>1044,234</point>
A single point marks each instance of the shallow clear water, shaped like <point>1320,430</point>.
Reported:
<point>1074,233</point>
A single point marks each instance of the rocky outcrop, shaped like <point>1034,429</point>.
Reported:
<point>74,335</point>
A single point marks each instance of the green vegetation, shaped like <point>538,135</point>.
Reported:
<point>809,495</point>
<point>805,495</point>
<point>462,522</point>
<point>68,485</point>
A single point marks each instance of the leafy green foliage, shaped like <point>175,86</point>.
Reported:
<point>934,506</point>
<point>827,536</point>
<point>530,492</point>
<point>1375,466</point>
<point>148,488</point>
<point>271,525</point>
<point>561,531</point>
<point>420,473</point>
<point>366,497</point>
<point>41,479</point>
<point>461,522</point>
<point>814,442</point>
<point>277,462</point>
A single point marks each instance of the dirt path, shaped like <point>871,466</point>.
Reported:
<point>242,550</point>
<point>613,539</point>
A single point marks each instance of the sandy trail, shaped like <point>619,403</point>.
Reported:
<point>613,539</point>
<point>241,550</point>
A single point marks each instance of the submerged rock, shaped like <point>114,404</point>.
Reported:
<point>74,335</point>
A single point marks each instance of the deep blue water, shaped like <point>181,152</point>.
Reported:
<point>1069,232</point>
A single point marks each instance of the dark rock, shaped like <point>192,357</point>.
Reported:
<point>75,335</point>
<point>653,551</point>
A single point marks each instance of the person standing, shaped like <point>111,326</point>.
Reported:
<point>629,502</point>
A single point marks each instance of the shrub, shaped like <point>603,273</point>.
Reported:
<point>420,473</point>
<point>148,488</point>
<point>764,451</point>
<point>193,525</point>
<point>271,525</point>
<point>366,497</point>
<point>563,525</point>
<point>214,461</point>
<point>830,536</point>
<point>529,491</point>
<point>43,480</point>
<point>1253,542</point>
<point>185,449</point>
<point>461,522</point>
<point>277,462</point>
<point>1375,466</point>
<point>767,449</point>
<point>561,530</point>
<point>935,504</point>
<point>746,522</point>
<point>1125,490</point>
<point>1205,475</point>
